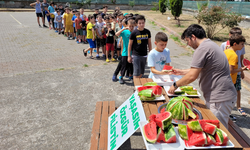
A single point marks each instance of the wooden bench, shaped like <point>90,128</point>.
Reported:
<point>236,135</point>
<point>99,134</point>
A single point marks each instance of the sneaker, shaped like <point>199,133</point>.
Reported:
<point>77,42</point>
<point>120,58</point>
<point>114,78</point>
<point>126,76</point>
<point>40,26</point>
<point>59,33</point>
<point>91,57</point>
<point>73,38</point>
<point>130,78</point>
<point>85,42</point>
<point>68,38</point>
<point>56,31</point>
<point>232,118</point>
<point>88,52</point>
<point>85,54</point>
<point>65,35</point>
<point>97,56</point>
<point>121,80</point>
<point>45,26</point>
<point>107,60</point>
<point>94,50</point>
<point>113,60</point>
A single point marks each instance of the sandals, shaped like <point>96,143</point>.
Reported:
<point>242,112</point>
<point>91,57</point>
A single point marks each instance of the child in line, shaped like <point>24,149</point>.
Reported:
<point>84,25</point>
<point>236,43</point>
<point>125,34</point>
<point>99,35</point>
<point>159,56</point>
<point>240,75</point>
<point>37,6</point>
<point>59,21</point>
<point>47,13</point>
<point>90,36</point>
<point>73,20</point>
<point>95,14</point>
<point>78,28</point>
<point>118,39</point>
<point>52,16</point>
<point>110,42</point>
<point>55,22</point>
<point>139,40</point>
<point>68,24</point>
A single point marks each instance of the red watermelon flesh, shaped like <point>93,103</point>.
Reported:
<point>160,137</point>
<point>209,128</point>
<point>246,62</point>
<point>215,122</point>
<point>151,118</point>
<point>197,138</point>
<point>210,140</point>
<point>167,68</point>
<point>157,90</point>
<point>150,132</point>
<point>226,139</point>
<point>143,88</point>
<point>164,120</point>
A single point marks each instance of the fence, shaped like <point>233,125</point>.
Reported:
<point>238,7</point>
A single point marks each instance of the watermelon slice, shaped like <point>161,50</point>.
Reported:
<point>150,84</point>
<point>197,139</point>
<point>145,98</point>
<point>167,68</point>
<point>186,88</point>
<point>157,90</point>
<point>150,132</point>
<point>170,135</point>
<point>183,131</point>
<point>139,89</point>
<point>246,62</point>
<point>215,122</point>
<point>221,138</point>
<point>160,136</point>
<point>194,125</point>
<point>164,120</point>
<point>209,128</point>
<point>151,118</point>
<point>147,93</point>
<point>210,140</point>
<point>191,114</point>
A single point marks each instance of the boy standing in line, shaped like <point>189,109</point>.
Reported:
<point>44,4</point>
<point>99,36</point>
<point>90,36</point>
<point>78,28</point>
<point>105,9</point>
<point>96,13</point>
<point>139,41</point>
<point>68,24</point>
<point>118,39</point>
<point>52,16</point>
<point>240,75</point>
<point>159,56</point>
<point>73,20</point>
<point>110,42</point>
<point>37,6</point>
<point>59,21</point>
<point>83,25</point>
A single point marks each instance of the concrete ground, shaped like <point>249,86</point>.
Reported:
<point>49,89</point>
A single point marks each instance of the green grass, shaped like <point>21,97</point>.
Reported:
<point>153,23</point>
<point>163,29</point>
<point>61,69</point>
<point>175,38</point>
<point>105,64</point>
<point>180,26</point>
<point>85,65</point>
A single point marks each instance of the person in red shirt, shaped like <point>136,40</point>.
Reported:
<point>78,28</point>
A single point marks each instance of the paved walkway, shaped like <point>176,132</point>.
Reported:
<point>49,89</point>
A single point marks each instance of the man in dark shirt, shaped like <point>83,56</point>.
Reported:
<point>44,4</point>
<point>96,13</point>
<point>105,9</point>
<point>139,42</point>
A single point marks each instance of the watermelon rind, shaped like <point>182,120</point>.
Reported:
<point>210,128</point>
<point>214,122</point>
<point>194,125</point>
<point>210,140</point>
<point>183,131</point>
<point>145,98</point>
<point>179,92</point>
<point>165,69</point>
<point>219,136</point>
<point>192,92</point>
<point>147,93</point>
<point>225,138</point>
<point>157,90</point>
<point>191,114</point>
<point>170,135</point>
<point>150,129</point>
<point>164,120</point>
<point>150,84</point>
<point>186,88</point>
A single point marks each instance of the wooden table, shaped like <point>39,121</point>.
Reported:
<point>152,108</point>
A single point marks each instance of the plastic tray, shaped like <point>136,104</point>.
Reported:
<point>163,80</point>
<point>168,87</point>
<point>161,98</point>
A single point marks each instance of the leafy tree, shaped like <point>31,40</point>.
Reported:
<point>176,9</point>
<point>162,6</point>
<point>131,3</point>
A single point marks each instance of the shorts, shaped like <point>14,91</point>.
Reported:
<point>110,47</point>
<point>238,83</point>
<point>55,24</point>
<point>116,45</point>
<point>74,29</point>
<point>79,32</point>
<point>222,110</point>
<point>104,41</point>
<point>48,18</point>
<point>84,32</point>
<point>100,42</point>
<point>91,43</point>
<point>39,14</point>
<point>59,25</point>
<point>69,28</point>
<point>139,63</point>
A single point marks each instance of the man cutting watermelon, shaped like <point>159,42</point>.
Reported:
<point>210,64</point>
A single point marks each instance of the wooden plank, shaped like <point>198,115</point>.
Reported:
<point>246,148</point>
<point>159,103</point>
<point>153,107</point>
<point>104,126</point>
<point>146,110</point>
<point>237,137</point>
<point>143,81</point>
<point>111,107</point>
<point>240,133</point>
<point>137,81</point>
<point>96,127</point>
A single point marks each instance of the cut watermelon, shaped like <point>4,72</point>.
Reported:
<point>147,93</point>
<point>197,139</point>
<point>191,114</point>
<point>183,131</point>
<point>215,122</point>
<point>221,138</point>
<point>170,135</point>
<point>143,88</point>
<point>194,125</point>
<point>150,132</point>
<point>246,62</point>
<point>209,128</point>
<point>164,120</point>
<point>167,68</point>
<point>145,98</point>
<point>150,84</point>
<point>151,118</point>
<point>160,135</point>
<point>210,140</point>
<point>157,91</point>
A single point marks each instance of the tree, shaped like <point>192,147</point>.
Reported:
<point>176,9</point>
<point>162,6</point>
<point>131,3</point>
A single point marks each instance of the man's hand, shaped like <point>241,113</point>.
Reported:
<point>242,75</point>
<point>93,39</point>
<point>244,68</point>
<point>129,59</point>
<point>177,72</point>
<point>171,90</point>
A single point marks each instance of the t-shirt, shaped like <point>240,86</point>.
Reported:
<point>73,19</point>
<point>214,79</point>
<point>77,23</point>
<point>81,16</point>
<point>99,27</point>
<point>61,10</point>
<point>140,42</point>
<point>233,61</point>
<point>116,30</point>
<point>51,9</point>
<point>125,38</point>
<point>95,16</point>
<point>239,53</point>
<point>158,59</point>
<point>55,13</point>
<point>83,24</point>
<point>44,5</point>
<point>89,30</point>
<point>58,18</point>
<point>103,15</point>
<point>110,37</point>
<point>38,7</point>
<point>68,18</point>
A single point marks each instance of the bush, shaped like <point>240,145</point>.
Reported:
<point>176,9</point>
<point>156,6</point>
<point>217,16</point>
<point>131,3</point>
<point>162,6</point>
